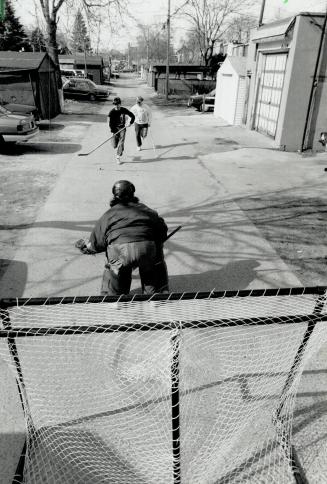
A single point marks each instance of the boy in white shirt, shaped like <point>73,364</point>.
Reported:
<point>142,122</point>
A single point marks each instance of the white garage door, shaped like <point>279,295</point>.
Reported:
<point>270,93</point>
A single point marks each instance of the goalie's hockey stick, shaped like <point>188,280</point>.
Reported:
<point>86,154</point>
<point>173,232</point>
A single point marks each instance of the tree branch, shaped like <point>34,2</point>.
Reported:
<point>57,7</point>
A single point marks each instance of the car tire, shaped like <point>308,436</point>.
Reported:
<point>92,97</point>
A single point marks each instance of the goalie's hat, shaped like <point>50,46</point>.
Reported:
<point>123,189</point>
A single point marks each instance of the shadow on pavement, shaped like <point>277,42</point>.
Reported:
<point>83,226</point>
<point>19,277</point>
<point>95,118</point>
<point>176,144</point>
<point>11,446</point>
<point>49,126</point>
<point>40,148</point>
<point>233,276</point>
<point>138,159</point>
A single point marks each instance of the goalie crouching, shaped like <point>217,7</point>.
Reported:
<point>132,235</point>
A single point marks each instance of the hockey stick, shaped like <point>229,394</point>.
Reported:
<point>86,154</point>
<point>173,232</point>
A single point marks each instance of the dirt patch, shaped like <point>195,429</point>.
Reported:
<point>23,193</point>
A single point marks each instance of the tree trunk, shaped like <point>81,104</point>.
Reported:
<point>52,41</point>
<point>53,53</point>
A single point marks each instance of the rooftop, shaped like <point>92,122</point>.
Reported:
<point>21,60</point>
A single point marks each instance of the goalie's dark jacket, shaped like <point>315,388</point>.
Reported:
<point>123,223</point>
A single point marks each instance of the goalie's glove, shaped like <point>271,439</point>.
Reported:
<point>84,247</point>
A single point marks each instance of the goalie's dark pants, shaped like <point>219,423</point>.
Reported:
<point>123,258</point>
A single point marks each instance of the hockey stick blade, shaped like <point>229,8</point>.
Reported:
<point>106,141</point>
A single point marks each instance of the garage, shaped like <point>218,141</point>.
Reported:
<point>30,78</point>
<point>271,76</point>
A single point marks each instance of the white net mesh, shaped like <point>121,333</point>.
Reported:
<point>190,391</point>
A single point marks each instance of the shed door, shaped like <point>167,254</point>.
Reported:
<point>270,90</point>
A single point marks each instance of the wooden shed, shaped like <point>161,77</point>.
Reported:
<point>94,66</point>
<point>30,78</point>
<point>231,90</point>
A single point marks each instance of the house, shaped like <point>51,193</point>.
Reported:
<point>231,90</point>
<point>185,54</point>
<point>30,78</point>
<point>234,49</point>
<point>287,67</point>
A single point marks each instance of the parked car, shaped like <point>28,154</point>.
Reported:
<point>17,108</point>
<point>16,127</point>
<point>84,88</point>
<point>115,75</point>
<point>203,102</point>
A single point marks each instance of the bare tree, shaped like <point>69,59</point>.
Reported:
<point>152,43</point>
<point>210,19</point>
<point>94,9</point>
<point>240,28</point>
<point>190,50</point>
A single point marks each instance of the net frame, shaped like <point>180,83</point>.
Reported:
<point>312,319</point>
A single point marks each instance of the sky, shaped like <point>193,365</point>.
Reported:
<point>155,11</point>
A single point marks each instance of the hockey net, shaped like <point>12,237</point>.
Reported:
<point>190,388</point>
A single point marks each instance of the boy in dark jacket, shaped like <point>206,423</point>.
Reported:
<point>117,122</point>
<point>132,235</point>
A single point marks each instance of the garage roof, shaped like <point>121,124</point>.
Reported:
<point>94,60</point>
<point>274,30</point>
<point>21,60</point>
<point>238,63</point>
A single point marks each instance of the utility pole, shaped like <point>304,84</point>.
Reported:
<point>262,11</point>
<point>314,86</point>
<point>85,63</point>
<point>147,49</point>
<point>128,55</point>
<point>168,50</point>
